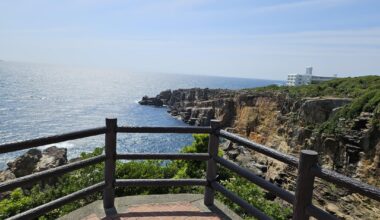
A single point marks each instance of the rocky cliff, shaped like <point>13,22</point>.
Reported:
<point>290,123</point>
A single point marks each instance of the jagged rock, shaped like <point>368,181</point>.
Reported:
<point>26,163</point>
<point>227,146</point>
<point>196,106</point>
<point>334,209</point>
<point>34,161</point>
<point>6,175</point>
<point>51,157</point>
<point>165,96</point>
<point>233,154</point>
<point>303,134</point>
<point>330,144</point>
<point>280,130</point>
<point>318,110</point>
<point>151,101</point>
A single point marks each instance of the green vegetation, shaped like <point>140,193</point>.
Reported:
<point>20,200</point>
<point>255,196</point>
<point>365,92</point>
<point>350,87</point>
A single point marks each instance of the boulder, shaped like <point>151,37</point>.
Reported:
<point>51,157</point>
<point>6,175</point>
<point>232,154</point>
<point>34,161</point>
<point>302,134</point>
<point>26,163</point>
<point>318,110</point>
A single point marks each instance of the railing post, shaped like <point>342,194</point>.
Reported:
<point>305,184</point>
<point>211,172</point>
<point>110,163</point>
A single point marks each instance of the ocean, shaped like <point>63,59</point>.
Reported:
<point>39,100</point>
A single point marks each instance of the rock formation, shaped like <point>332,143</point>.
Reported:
<point>34,160</point>
<point>289,124</point>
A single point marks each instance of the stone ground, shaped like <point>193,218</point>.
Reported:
<point>163,207</point>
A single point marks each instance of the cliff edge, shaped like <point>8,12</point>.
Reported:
<point>339,119</point>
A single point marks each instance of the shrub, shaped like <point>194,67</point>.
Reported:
<point>255,196</point>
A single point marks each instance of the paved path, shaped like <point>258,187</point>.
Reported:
<point>163,211</point>
<point>163,207</point>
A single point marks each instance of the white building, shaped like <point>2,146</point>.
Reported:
<point>307,78</point>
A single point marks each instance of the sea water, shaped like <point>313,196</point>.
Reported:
<point>39,100</point>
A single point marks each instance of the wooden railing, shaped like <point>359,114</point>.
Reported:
<point>307,166</point>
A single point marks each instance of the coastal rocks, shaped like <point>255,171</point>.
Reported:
<point>151,101</point>
<point>26,163</point>
<point>51,157</point>
<point>334,209</point>
<point>6,175</point>
<point>202,116</point>
<point>196,106</point>
<point>34,161</point>
<point>318,110</point>
<point>165,96</point>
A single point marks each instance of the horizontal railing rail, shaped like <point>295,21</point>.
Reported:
<point>160,182</point>
<point>177,130</point>
<point>314,171</point>
<point>42,209</point>
<point>163,156</point>
<point>15,146</point>
<point>27,180</point>
<point>290,160</point>
<point>278,191</point>
<point>347,182</point>
<point>242,203</point>
<point>319,213</point>
<point>307,166</point>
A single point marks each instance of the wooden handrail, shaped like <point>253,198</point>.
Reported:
<point>42,209</point>
<point>308,169</point>
<point>347,182</point>
<point>22,181</point>
<point>307,166</point>
<point>163,156</point>
<point>15,146</point>
<point>160,182</point>
<point>175,130</point>
<point>290,160</point>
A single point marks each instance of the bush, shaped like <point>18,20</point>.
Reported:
<point>255,196</point>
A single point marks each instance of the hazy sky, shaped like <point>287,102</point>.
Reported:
<point>247,38</point>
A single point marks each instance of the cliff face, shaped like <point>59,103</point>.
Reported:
<point>289,124</point>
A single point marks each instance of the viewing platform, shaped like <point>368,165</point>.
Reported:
<point>163,207</point>
<point>179,206</point>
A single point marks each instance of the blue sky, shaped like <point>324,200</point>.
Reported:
<point>244,38</point>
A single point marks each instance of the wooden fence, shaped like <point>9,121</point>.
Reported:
<point>307,165</point>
